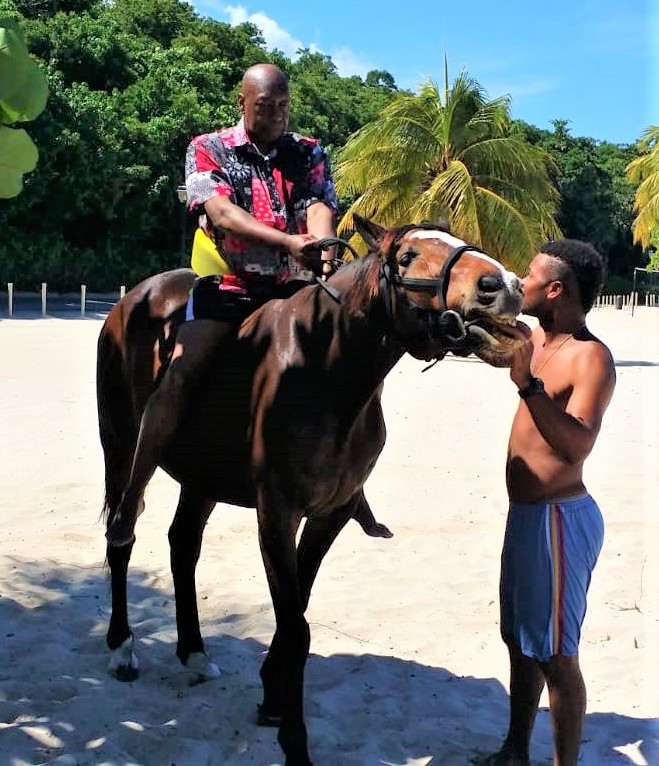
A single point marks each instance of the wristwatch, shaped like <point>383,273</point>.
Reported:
<point>535,386</point>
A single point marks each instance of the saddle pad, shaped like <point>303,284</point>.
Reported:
<point>223,298</point>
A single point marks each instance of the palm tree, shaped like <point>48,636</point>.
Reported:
<point>451,156</point>
<point>644,171</point>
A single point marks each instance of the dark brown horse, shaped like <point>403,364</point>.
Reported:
<point>289,421</point>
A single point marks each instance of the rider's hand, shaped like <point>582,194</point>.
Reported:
<point>295,245</point>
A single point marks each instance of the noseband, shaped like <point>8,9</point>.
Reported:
<point>445,324</point>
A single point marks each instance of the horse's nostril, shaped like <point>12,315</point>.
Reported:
<point>490,284</point>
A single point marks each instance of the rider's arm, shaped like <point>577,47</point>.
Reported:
<point>320,200</point>
<point>321,220</point>
<point>226,215</point>
<point>209,187</point>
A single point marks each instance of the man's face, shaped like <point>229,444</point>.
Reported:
<point>265,110</point>
<point>537,284</point>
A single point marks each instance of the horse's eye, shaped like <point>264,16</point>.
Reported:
<point>406,259</point>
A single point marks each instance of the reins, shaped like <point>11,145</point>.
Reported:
<point>325,244</point>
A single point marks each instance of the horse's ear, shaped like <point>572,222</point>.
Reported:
<point>371,232</point>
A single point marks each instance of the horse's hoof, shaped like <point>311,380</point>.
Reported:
<point>381,530</point>
<point>124,665</point>
<point>263,718</point>
<point>204,670</point>
<point>126,673</point>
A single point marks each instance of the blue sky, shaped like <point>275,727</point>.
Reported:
<point>593,63</point>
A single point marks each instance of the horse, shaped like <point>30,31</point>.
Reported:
<point>288,421</point>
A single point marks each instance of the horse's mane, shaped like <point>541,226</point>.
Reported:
<point>367,281</point>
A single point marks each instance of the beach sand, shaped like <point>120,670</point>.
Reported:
<point>406,664</point>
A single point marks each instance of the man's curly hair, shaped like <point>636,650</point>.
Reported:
<point>585,264</point>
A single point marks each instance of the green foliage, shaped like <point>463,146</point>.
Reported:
<point>131,81</point>
<point>23,96</point>
<point>330,107</point>
<point>643,172</point>
<point>595,197</point>
<point>449,154</point>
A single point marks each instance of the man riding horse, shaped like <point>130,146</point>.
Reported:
<point>263,196</point>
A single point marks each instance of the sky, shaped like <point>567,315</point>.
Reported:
<point>593,63</point>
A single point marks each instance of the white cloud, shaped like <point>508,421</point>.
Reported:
<point>274,35</point>
<point>347,62</point>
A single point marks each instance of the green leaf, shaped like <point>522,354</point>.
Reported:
<point>18,155</point>
<point>23,89</point>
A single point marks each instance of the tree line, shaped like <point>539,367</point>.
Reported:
<point>130,82</point>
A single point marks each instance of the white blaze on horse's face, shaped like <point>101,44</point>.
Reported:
<point>465,275</point>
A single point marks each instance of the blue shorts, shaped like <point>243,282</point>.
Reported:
<point>549,552</point>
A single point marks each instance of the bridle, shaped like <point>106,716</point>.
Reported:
<point>444,325</point>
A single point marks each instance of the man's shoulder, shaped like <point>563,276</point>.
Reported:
<point>222,137</point>
<point>594,350</point>
<point>592,346</point>
<point>298,142</point>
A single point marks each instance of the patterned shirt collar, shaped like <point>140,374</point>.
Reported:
<point>242,138</point>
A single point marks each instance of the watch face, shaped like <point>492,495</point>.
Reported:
<point>536,386</point>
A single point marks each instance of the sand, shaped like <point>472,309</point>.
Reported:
<point>406,663</point>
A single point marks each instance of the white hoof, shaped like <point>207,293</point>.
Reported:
<point>124,664</point>
<point>205,670</point>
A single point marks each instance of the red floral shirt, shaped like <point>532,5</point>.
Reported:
<point>276,189</point>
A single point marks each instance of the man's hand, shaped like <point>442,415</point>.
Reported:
<point>301,248</point>
<point>520,369</point>
<point>295,244</point>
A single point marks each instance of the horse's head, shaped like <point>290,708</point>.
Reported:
<point>448,296</point>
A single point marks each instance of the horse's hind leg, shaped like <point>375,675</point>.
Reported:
<point>123,663</point>
<point>185,536</point>
<point>118,430</point>
<point>196,343</point>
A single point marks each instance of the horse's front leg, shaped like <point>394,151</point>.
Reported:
<point>282,672</point>
<point>185,537</point>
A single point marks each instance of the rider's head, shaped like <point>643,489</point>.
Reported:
<point>264,103</point>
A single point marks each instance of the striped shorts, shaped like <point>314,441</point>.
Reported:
<point>549,552</point>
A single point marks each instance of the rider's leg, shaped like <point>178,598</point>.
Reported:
<point>197,343</point>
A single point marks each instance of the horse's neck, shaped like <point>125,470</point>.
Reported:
<point>362,327</point>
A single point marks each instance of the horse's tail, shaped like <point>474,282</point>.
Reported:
<point>117,420</point>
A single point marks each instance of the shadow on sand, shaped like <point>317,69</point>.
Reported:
<point>58,705</point>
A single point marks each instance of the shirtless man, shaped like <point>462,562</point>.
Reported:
<point>565,379</point>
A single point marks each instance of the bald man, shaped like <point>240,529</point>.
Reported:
<point>261,194</point>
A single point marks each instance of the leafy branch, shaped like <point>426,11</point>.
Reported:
<point>23,94</point>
